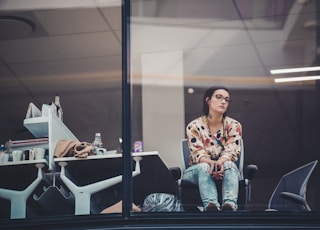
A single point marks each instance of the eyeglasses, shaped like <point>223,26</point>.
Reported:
<point>220,98</point>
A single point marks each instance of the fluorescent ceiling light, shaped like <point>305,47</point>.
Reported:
<point>294,70</point>
<point>292,79</point>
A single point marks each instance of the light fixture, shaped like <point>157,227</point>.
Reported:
<point>302,2</point>
<point>295,70</point>
<point>190,90</point>
<point>293,79</point>
<point>12,27</point>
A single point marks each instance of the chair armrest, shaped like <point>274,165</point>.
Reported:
<point>295,199</point>
<point>175,172</point>
<point>250,171</point>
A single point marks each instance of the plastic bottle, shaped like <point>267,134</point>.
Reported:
<point>97,143</point>
<point>59,107</point>
<point>4,157</point>
<point>2,149</point>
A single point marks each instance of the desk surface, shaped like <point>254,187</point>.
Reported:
<point>98,167</point>
<point>154,178</point>
<point>24,162</point>
<point>64,159</point>
<point>106,156</point>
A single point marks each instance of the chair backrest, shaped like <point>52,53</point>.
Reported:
<point>185,153</point>
<point>294,182</point>
<point>186,156</point>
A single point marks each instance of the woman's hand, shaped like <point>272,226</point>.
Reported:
<point>216,167</point>
<point>218,170</point>
<point>212,166</point>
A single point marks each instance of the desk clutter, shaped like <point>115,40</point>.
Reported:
<point>57,174</point>
<point>72,148</point>
<point>52,139</point>
<point>52,107</point>
<point>79,186</point>
<point>69,148</point>
<point>12,153</point>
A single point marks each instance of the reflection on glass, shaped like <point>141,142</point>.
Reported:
<point>178,49</point>
<point>179,45</point>
<point>71,49</point>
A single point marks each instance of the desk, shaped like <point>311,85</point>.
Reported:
<point>20,183</point>
<point>93,174</point>
<point>94,182</point>
<point>27,162</point>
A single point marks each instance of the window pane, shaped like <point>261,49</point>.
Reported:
<point>181,48</point>
<point>71,49</point>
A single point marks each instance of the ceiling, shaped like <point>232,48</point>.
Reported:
<point>239,40</point>
<point>73,48</point>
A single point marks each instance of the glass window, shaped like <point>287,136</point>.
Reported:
<point>71,49</point>
<point>70,77</point>
<point>181,48</point>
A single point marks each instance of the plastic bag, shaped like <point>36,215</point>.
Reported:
<point>162,202</point>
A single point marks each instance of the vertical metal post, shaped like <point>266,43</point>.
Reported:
<point>317,103</point>
<point>126,111</point>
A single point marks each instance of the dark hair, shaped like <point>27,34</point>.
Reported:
<point>209,92</point>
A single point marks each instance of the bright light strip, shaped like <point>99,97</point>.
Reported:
<point>294,70</point>
<point>292,79</point>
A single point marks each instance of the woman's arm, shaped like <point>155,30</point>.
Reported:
<point>232,144</point>
<point>195,143</point>
<point>197,148</point>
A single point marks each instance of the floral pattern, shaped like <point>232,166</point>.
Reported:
<point>224,143</point>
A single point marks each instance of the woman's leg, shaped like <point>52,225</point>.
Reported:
<point>230,185</point>
<point>199,174</point>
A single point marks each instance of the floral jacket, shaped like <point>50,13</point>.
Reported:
<point>224,143</point>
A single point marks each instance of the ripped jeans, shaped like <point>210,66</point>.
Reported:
<point>198,174</point>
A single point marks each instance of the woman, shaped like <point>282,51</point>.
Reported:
<point>214,142</point>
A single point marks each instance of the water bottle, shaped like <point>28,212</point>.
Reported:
<point>2,149</point>
<point>4,156</point>
<point>97,143</point>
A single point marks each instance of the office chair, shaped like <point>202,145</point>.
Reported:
<point>290,193</point>
<point>189,193</point>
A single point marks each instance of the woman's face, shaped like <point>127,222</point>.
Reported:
<point>219,102</point>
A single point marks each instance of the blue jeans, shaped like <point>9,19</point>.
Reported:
<point>198,174</point>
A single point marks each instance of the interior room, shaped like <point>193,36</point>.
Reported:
<point>178,48</point>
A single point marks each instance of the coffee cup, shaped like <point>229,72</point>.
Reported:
<point>28,155</point>
<point>4,157</point>
<point>17,155</point>
<point>100,151</point>
<point>39,153</point>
